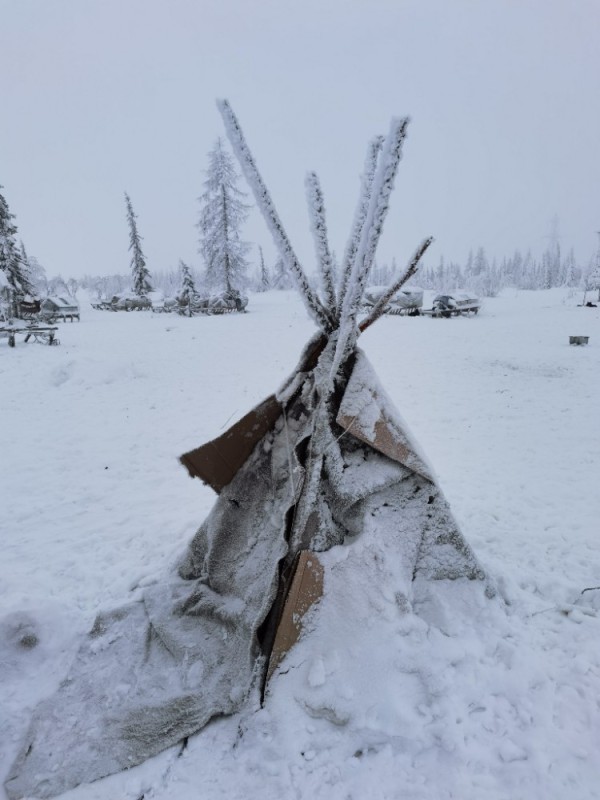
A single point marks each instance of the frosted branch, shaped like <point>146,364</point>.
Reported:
<point>360,215</point>
<point>379,307</point>
<point>318,227</point>
<point>383,183</point>
<point>267,208</point>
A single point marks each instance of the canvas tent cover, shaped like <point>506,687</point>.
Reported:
<point>155,671</point>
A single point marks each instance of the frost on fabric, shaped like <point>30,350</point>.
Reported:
<point>155,671</point>
<point>368,413</point>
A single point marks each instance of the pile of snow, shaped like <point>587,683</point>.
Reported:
<point>468,697</point>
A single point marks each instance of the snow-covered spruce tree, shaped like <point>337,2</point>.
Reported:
<point>26,270</point>
<point>221,218</point>
<point>593,277</point>
<point>11,261</point>
<point>281,276</point>
<point>35,272</point>
<point>480,264</point>
<point>188,286</point>
<point>264,283</point>
<point>140,274</point>
<point>570,270</point>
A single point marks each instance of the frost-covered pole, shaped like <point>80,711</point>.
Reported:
<point>383,184</point>
<point>318,227</point>
<point>379,307</point>
<point>263,200</point>
<point>360,215</point>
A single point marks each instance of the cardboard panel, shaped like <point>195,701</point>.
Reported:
<point>217,461</point>
<point>305,589</point>
<point>390,440</point>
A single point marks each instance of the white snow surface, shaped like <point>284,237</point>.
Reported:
<point>463,697</point>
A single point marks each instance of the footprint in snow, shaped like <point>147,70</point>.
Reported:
<point>62,374</point>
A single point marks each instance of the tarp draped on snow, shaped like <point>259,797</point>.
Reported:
<point>155,671</point>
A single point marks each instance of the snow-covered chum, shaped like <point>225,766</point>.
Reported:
<point>321,493</point>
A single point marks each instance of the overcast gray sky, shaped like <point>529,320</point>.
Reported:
<point>103,96</point>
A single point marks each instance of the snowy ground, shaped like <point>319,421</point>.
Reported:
<point>494,700</point>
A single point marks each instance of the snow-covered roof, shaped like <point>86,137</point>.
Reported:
<point>379,290</point>
<point>61,302</point>
<point>465,296</point>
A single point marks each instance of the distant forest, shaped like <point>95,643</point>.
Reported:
<point>480,274</point>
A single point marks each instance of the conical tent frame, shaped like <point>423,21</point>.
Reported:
<point>381,166</point>
<point>336,314</point>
